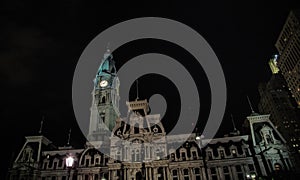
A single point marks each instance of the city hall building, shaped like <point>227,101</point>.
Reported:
<point>137,146</point>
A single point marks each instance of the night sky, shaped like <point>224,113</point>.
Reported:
<point>41,42</point>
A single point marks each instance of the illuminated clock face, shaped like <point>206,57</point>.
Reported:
<point>103,83</point>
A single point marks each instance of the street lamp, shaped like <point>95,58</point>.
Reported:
<point>251,176</point>
<point>199,140</point>
<point>69,164</point>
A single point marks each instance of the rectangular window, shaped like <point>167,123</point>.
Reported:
<point>226,173</point>
<point>227,177</point>
<point>209,155</point>
<point>213,170</point>
<point>197,171</point>
<point>251,167</point>
<point>174,172</point>
<point>238,168</point>
<point>233,151</point>
<point>194,154</point>
<point>45,165</point>
<point>87,162</point>
<point>183,155</point>
<point>241,176</point>
<point>60,162</point>
<point>173,157</point>
<point>175,175</point>
<point>222,154</point>
<point>214,177</point>
<point>186,174</point>
<point>54,165</point>
<point>225,169</point>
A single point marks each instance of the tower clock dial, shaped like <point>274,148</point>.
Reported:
<point>103,83</point>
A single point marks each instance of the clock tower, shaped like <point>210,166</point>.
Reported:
<point>105,104</point>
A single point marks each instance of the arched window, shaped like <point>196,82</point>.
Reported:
<point>103,99</point>
<point>172,157</point>
<point>137,155</point>
<point>194,153</point>
<point>183,154</point>
<point>132,155</point>
<point>136,128</point>
<point>118,155</point>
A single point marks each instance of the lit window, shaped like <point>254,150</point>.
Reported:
<point>277,167</point>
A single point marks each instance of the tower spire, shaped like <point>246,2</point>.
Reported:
<point>232,120</point>
<point>41,126</point>
<point>69,137</point>
<point>250,104</point>
<point>137,89</point>
<point>235,132</point>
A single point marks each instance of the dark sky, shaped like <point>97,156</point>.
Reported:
<point>41,42</point>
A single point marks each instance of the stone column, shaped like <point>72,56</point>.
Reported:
<point>220,173</point>
<point>164,168</point>
<point>261,166</point>
<point>230,172</point>
<point>79,177</point>
<point>233,172</point>
<point>191,174</point>
<point>203,173</point>
<point>154,173</point>
<point>128,174</point>
<point>125,174</point>
<point>180,175</point>
<point>71,175</point>
<point>168,173</point>
<point>150,173</point>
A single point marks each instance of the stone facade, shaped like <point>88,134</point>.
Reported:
<point>137,147</point>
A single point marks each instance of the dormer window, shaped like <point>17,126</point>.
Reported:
<point>233,151</point>
<point>27,154</point>
<point>209,155</point>
<point>222,154</point>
